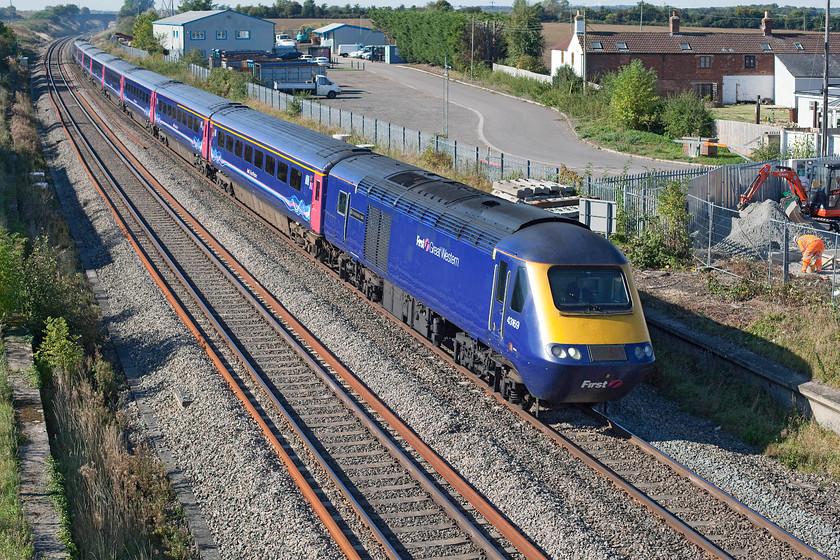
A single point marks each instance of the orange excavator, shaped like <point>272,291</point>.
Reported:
<point>821,201</point>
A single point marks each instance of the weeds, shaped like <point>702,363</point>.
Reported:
<point>15,541</point>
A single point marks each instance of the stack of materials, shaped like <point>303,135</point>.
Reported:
<point>554,197</point>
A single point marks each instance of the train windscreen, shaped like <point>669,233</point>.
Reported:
<point>589,289</point>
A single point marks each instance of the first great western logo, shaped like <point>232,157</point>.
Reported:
<point>429,246</point>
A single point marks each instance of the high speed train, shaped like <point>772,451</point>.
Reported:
<point>538,306</point>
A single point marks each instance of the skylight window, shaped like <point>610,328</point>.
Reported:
<point>765,47</point>
<point>685,46</point>
<point>798,46</point>
<point>597,46</point>
<point>622,46</point>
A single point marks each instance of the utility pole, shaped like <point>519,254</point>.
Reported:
<point>824,128</point>
<point>472,48</point>
<point>641,13</point>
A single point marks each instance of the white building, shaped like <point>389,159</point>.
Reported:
<point>225,30</point>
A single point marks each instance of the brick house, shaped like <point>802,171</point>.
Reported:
<point>727,67</point>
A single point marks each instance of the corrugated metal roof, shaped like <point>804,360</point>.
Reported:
<point>187,17</point>
<point>638,42</point>
<point>334,26</point>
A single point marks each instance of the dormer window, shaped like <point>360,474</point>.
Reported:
<point>766,47</point>
<point>597,46</point>
<point>622,46</point>
<point>685,47</point>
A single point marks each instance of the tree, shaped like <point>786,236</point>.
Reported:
<point>195,5</point>
<point>308,9</point>
<point>524,33</point>
<point>144,38</point>
<point>555,10</point>
<point>634,102</point>
<point>135,7</point>
<point>685,114</point>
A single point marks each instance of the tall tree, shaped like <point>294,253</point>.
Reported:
<point>144,37</point>
<point>523,33</point>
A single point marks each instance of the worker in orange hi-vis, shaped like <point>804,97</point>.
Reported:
<point>812,249</point>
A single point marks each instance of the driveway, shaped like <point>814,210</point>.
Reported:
<point>405,96</point>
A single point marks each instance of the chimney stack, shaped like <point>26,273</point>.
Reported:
<point>767,24</point>
<point>675,23</point>
<point>579,24</point>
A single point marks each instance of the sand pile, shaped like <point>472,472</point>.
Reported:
<point>758,227</point>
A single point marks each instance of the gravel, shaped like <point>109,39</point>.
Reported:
<point>251,506</point>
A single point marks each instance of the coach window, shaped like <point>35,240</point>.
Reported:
<point>237,150</point>
<point>520,290</point>
<point>220,139</point>
<point>282,171</point>
<point>295,178</point>
<point>249,153</point>
<point>229,143</point>
<point>190,121</point>
<point>196,124</point>
<point>258,159</point>
<point>269,165</point>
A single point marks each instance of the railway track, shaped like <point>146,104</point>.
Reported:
<point>411,502</point>
<point>716,524</point>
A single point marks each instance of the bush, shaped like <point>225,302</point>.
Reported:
<point>634,102</point>
<point>685,114</point>
<point>228,84</point>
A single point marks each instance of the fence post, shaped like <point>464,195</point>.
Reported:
<point>389,136</point>
<point>403,138</point>
<point>419,143</point>
<point>455,155</point>
<point>528,169</point>
<point>501,166</point>
<point>785,276</point>
<point>376,131</point>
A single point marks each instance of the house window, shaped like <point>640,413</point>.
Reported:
<point>685,47</point>
<point>798,46</point>
<point>197,35</point>
<point>706,91</point>
<point>221,34</point>
<point>597,46</point>
<point>622,46</point>
<point>243,34</point>
<point>766,47</point>
<point>705,61</point>
<point>749,61</point>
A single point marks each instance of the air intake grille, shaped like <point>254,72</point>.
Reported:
<point>377,237</point>
<point>607,353</point>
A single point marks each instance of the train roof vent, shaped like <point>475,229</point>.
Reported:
<point>377,191</point>
<point>410,179</point>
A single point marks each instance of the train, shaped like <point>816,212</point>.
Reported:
<point>541,308</point>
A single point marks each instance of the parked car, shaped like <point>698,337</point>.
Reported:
<point>306,57</point>
<point>322,61</point>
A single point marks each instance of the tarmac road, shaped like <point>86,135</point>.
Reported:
<point>406,96</point>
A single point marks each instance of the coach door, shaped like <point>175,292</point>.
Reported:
<point>343,208</point>
<point>498,298</point>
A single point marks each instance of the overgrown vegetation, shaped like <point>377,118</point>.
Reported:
<point>116,502</point>
<point>15,541</point>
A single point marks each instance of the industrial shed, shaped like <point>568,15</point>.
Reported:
<point>214,29</point>
<point>336,34</point>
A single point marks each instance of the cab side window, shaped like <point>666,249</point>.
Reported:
<point>501,279</point>
<point>520,290</point>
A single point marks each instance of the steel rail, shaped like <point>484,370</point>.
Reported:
<point>489,512</point>
<point>733,503</point>
<point>300,480</point>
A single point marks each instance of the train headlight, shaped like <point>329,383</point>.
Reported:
<point>648,350</point>
<point>574,353</point>
<point>557,351</point>
<point>640,352</point>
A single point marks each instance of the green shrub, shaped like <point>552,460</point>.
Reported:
<point>634,102</point>
<point>685,114</point>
